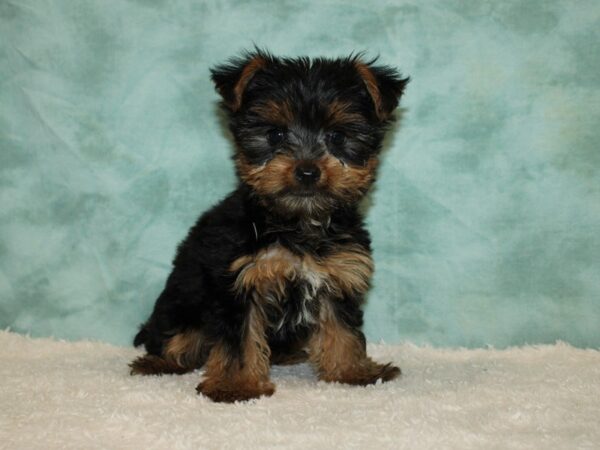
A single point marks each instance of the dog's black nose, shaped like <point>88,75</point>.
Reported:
<point>307,173</point>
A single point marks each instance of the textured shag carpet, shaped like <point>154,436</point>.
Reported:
<point>56,394</point>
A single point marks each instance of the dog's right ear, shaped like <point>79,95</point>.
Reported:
<point>232,78</point>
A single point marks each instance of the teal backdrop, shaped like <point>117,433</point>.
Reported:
<point>485,219</point>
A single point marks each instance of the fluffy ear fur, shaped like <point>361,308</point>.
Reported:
<point>231,79</point>
<point>385,86</point>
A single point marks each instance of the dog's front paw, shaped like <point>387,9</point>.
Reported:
<point>229,392</point>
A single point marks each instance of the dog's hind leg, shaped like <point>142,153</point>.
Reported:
<point>155,365</point>
<point>181,353</point>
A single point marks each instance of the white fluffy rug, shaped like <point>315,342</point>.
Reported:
<point>79,395</point>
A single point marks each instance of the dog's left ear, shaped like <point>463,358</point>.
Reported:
<point>231,79</point>
<point>385,86</point>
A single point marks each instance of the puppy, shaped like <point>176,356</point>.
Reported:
<point>277,272</point>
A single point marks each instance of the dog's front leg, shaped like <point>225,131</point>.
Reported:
<point>337,351</point>
<point>238,369</point>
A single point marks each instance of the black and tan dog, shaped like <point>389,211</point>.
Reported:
<point>277,272</point>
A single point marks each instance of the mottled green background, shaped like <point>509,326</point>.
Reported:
<point>486,218</point>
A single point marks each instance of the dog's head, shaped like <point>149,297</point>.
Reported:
<point>308,132</point>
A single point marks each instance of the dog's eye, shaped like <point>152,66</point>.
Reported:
<point>275,136</point>
<point>336,138</point>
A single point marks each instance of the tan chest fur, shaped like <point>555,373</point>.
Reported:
<point>268,272</point>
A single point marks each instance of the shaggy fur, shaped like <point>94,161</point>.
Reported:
<point>277,272</point>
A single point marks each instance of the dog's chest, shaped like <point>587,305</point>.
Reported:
<point>291,284</point>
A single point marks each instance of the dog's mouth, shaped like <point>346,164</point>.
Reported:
<point>303,202</point>
<point>304,193</point>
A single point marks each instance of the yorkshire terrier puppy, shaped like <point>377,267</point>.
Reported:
<point>277,272</point>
